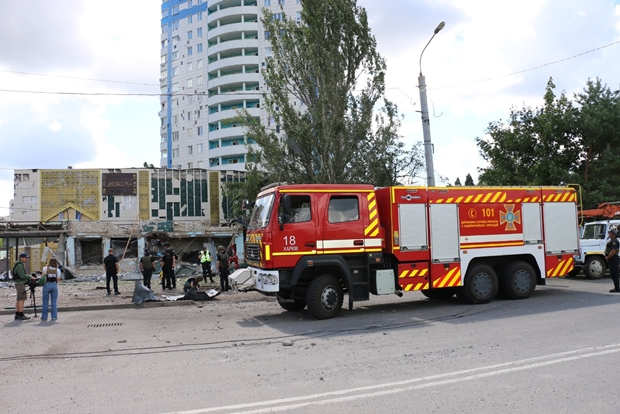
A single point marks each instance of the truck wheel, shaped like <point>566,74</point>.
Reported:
<point>595,267</point>
<point>517,280</point>
<point>296,306</point>
<point>439,294</point>
<point>480,285</point>
<point>324,297</point>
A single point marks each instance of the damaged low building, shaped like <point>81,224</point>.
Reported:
<point>127,209</point>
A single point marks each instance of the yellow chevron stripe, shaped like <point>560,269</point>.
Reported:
<point>468,199</point>
<point>370,196</point>
<point>372,214</point>
<point>458,200</point>
<point>565,270</point>
<point>478,197</point>
<point>374,233</point>
<point>372,225</point>
<point>447,277</point>
<point>449,200</point>
<point>456,280</point>
<point>495,197</point>
<point>486,198</point>
<point>267,252</point>
<point>372,205</point>
<point>403,274</point>
<point>423,272</point>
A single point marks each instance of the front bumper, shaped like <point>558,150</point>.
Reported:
<point>266,281</point>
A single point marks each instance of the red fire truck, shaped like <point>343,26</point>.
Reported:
<point>308,245</point>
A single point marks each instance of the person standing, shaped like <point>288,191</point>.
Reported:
<point>222,265</point>
<point>205,261</point>
<point>169,262</point>
<point>147,265</point>
<point>50,289</point>
<point>112,269</point>
<point>20,278</point>
<point>611,254</point>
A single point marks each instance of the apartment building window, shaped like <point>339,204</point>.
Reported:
<point>201,164</point>
<point>277,16</point>
<point>200,130</point>
<point>189,116</point>
<point>190,82</point>
<point>198,114</point>
<point>189,18</point>
<point>199,47</point>
<point>199,63</point>
<point>200,148</point>
<point>266,34</point>
<point>164,153</point>
<point>165,13</point>
<point>189,34</point>
<point>190,165</point>
<point>175,9</point>
<point>175,153</point>
<point>267,3</point>
<point>199,31</point>
<point>199,80</point>
<point>164,137</point>
<point>189,3</point>
<point>189,50</point>
<point>268,52</point>
<point>175,55</point>
<point>175,71</point>
<point>175,40</point>
<point>281,2</point>
<point>298,16</point>
<point>164,43</point>
<point>164,59</point>
<point>175,87</point>
<point>199,15</point>
<point>190,150</point>
<point>175,135</point>
<point>164,121</point>
<point>175,25</point>
<point>164,28</point>
<point>164,74</point>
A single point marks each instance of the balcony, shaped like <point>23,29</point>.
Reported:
<point>234,79</point>
<point>232,28</point>
<point>231,11</point>
<point>237,43</point>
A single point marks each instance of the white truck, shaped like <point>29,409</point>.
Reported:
<point>591,258</point>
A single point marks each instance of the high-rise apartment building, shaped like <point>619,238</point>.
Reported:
<point>212,53</point>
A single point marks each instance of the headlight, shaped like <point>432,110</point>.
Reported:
<point>266,279</point>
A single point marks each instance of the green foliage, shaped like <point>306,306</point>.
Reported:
<point>457,183</point>
<point>561,143</point>
<point>331,120</point>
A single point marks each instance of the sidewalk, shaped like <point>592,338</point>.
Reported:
<point>75,295</point>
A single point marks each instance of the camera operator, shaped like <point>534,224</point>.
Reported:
<point>21,278</point>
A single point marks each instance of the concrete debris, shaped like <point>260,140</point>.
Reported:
<point>143,294</point>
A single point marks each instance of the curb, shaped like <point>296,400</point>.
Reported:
<point>143,305</point>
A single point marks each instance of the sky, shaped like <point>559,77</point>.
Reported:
<point>490,57</point>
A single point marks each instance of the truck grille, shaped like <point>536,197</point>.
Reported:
<point>252,252</point>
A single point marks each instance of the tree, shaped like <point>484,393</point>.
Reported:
<point>457,182</point>
<point>561,143</point>
<point>469,181</point>
<point>329,119</point>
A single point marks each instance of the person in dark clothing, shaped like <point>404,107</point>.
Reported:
<point>192,284</point>
<point>222,265</point>
<point>168,264</point>
<point>147,265</point>
<point>611,254</point>
<point>112,269</point>
<point>21,278</point>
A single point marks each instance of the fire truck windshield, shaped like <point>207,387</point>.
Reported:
<point>262,211</point>
<point>594,231</point>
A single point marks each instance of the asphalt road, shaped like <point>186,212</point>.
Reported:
<point>556,352</point>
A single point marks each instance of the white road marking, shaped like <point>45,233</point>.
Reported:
<point>334,397</point>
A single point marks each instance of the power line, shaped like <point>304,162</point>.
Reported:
<point>77,77</point>
<point>526,70</point>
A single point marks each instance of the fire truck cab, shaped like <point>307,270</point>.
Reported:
<point>309,245</point>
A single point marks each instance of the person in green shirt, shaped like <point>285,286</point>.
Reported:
<point>20,278</point>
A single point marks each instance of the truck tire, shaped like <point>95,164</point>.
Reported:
<point>324,297</point>
<point>439,294</point>
<point>595,267</point>
<point>296,306</point>
<point>517,280</point>
<point>480,285</point>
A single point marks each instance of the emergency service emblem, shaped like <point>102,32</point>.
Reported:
<point>510,217</point>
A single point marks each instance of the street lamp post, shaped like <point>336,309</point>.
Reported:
<point>426,127</point>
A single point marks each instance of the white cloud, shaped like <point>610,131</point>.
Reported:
<point>55,126</point>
